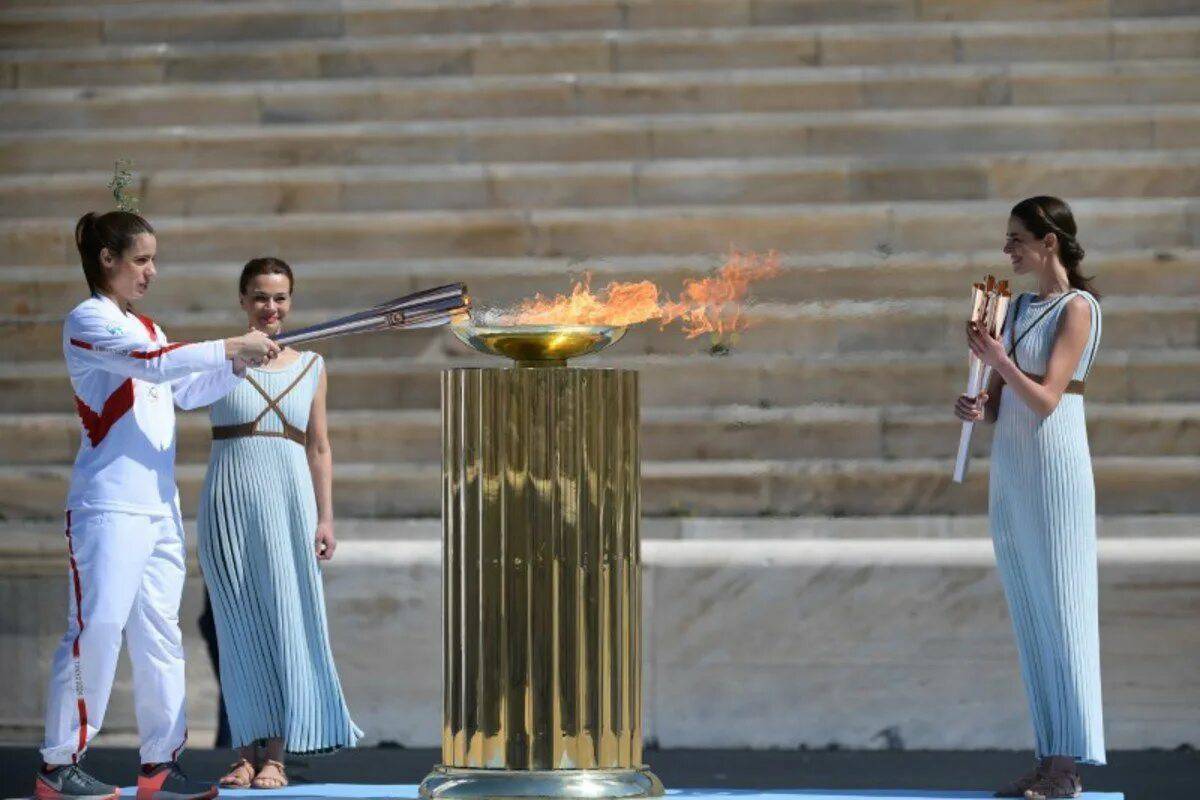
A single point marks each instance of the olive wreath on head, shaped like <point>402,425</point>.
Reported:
<point>119,185</point>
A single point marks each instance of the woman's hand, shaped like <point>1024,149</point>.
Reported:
<point>987,348</point>
<point>326,543</point>
<point>971,409</point>
<point>254,348</point>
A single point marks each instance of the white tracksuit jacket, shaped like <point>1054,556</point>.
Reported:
<point>124,534</point>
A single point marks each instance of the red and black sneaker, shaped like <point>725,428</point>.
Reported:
<point>69,782</point>
<point>166,781</point>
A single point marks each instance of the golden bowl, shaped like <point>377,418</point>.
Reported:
<point>538,345</point>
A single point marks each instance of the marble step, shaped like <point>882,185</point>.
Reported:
<point>757,487</point>
<point>96,4</point>
<point>122,23</point>
<point>679,433</point>
<point>32,546</point>
<point>884,228</point>
<point>915,326</point>
<point>761,90</point>
<point>601,51</point>
<point>896,133</point>
<point>815,278</point>
<point>754,379</point>
<point>763,626</point>
<point>282,190</point>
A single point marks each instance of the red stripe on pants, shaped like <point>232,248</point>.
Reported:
<point>175,752</point>
<point>75,645</point>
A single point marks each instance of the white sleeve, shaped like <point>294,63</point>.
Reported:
<point>91,339</point>
<point>204,388</point>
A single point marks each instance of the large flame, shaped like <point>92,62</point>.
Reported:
<point>615,304</point>
<point>713,304</point>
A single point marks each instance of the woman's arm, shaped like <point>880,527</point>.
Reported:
<point>320,464</point>
<point>94,340</point>
<point>991,408</point>
<point>201,389</point>
<point>1075,325</point>
<point>985,407</point>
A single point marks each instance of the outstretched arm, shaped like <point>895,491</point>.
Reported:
<point>201,389</point>
<point>95,340</point>
<point>92,339</point>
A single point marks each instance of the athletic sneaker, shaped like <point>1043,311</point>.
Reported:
<point>167,782</point>
<point>69,782</point>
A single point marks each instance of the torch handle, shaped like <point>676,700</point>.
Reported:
<point>977,379</point>
<point>963,460</point>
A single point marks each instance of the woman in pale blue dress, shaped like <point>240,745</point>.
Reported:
<point>259,550</point>
<point>1042,499</point>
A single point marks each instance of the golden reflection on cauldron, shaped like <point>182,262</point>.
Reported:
<point>537,345</point>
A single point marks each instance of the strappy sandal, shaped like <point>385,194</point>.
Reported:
<point>1055,786</point>
<point>239,776</point>
<point>260,782</point>
<point>1022,784</point>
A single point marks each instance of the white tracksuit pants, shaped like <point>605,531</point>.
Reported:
<point>127,573</point>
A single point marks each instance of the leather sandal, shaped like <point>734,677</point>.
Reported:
<point>239,776</point>
<point>1022,784</point>
<point>1055,786</point>
<point>271,782</point>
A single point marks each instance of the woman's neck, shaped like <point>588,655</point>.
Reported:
<point>1054,280</point>
<point>124,305</point>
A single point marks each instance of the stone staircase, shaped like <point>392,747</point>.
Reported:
<point>383,146</point>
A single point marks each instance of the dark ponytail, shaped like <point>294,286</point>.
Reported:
<point>114,231</point>
<point>1043,215</point>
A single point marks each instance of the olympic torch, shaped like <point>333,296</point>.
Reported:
<point>989,307</point>
<point>424,309</point>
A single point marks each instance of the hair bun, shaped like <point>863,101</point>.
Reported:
<point>1070,251</point>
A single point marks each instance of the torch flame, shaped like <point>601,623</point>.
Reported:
<point>713,305</point>
<point>616,304</point>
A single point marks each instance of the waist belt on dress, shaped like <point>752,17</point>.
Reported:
<point>250,429</point>
<point>1074,387</point>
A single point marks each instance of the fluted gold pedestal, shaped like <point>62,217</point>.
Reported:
<point>541,586</point>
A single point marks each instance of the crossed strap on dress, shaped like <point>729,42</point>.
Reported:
<point>250,428</point>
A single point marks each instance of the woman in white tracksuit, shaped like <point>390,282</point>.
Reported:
<point>123,529</point>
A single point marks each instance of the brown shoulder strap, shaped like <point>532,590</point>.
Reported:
<point>273,402</point>
<point>295,382</point>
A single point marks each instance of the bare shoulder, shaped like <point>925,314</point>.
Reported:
<point>316,363</point>
<point>1077,316</point>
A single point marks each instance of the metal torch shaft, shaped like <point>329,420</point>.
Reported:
<point>418,310</point>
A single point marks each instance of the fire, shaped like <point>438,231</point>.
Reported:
<point>616,304</point>
<point>713,304</point>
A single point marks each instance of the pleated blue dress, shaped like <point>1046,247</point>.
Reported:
<point>1042,511</point>
<point>257,520</point>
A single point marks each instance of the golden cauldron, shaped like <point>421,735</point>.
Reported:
<point>541,572</point>
<point>538,345</point>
